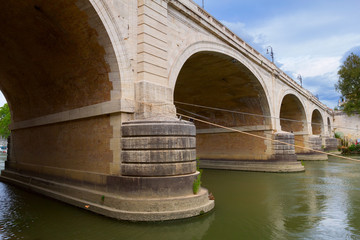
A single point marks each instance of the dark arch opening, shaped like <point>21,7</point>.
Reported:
<point>292,115</point>
<point>217,80</point>
<point>53,57</point>
<point>56,56</point>
<point>316,122</point>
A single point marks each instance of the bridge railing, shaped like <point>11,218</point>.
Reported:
<point>245,47</point>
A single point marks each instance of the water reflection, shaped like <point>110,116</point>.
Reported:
<point>322,203</point>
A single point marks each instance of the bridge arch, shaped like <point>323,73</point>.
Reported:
<point>58,66</point>
<point>317,122</point>
<point>216,76</point>
<point>292,113</point>
<point>208,46</point>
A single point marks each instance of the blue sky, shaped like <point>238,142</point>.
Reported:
<point>309,37</point>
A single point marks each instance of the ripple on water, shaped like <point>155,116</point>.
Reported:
<point>321,203</point>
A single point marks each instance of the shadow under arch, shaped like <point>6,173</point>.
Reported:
<point>292,114</point>
<point>317,124</point>
<point>218,80</point>
<point>58,57</point>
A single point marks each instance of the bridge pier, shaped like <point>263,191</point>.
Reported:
<point>330,144</point>
<point>313,142</point>
<point>159,165</point>
<point>273,157</point>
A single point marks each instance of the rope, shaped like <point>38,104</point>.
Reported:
<point>259,115</point>
<point>246,127</point>
<point>265,138</point>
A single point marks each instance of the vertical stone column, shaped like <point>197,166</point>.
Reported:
<point>284,155</point>
<point>158,165</point>
<point>331,144</point>
<point>313,142</point>
<point>153,96</point>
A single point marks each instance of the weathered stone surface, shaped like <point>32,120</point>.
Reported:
<point>160,156</point>
<point>158,142</point>
<point>331,144</point>
<point>254,166</point>
<point>157,169</point>
<point>140,128</point>
<point>113,205</point>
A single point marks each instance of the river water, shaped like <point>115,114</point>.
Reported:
<point>321,203</point>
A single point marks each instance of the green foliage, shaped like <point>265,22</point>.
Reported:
<point>352,149</point>
<point>349,83</point>
<point>197,181</point>
<point>337,135</point>
<point>5,120</point>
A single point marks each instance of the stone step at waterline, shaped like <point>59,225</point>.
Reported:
<point>137,209</point>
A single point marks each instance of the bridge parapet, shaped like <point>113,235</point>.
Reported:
<point>200,15</point>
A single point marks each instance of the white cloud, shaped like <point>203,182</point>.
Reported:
<point>2,99</point>
<point>311,43</point>
<point>309,66</point>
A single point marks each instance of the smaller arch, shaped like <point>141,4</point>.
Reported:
<point>317,123</point>
<point>292,114</point>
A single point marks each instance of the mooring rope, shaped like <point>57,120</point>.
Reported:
<point>260,115</point>
<point>265,138</point>
<point>246,127</point>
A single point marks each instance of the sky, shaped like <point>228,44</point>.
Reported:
<point>308,37</point>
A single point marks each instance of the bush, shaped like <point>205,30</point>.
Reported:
<point>352,147</point>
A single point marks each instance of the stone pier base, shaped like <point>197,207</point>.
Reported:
<point>314,142</point>
<point>113,205</point>
<point>331,144</point>
<point>283,160</point>
<point>158,169</point>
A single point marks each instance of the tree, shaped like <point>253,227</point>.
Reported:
<point>349,84</point>
<point>5,120</point>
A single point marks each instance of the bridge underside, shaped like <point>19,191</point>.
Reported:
<point>208,85</point>
<point>60,75</point>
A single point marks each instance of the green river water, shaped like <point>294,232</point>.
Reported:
<point>321,203</point>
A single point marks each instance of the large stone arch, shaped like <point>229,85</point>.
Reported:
<point>212,75</point>
<point>61,69</point>
<point>208,46</point>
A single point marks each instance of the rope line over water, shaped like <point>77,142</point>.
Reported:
<point>264,138</point>
<point>261,115</point>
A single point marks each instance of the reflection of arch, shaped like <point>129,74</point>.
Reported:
<point>317,122</point>
<point>213,47</point>
<point>291,108</point>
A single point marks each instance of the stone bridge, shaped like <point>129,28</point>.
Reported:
<point>94,87</point>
